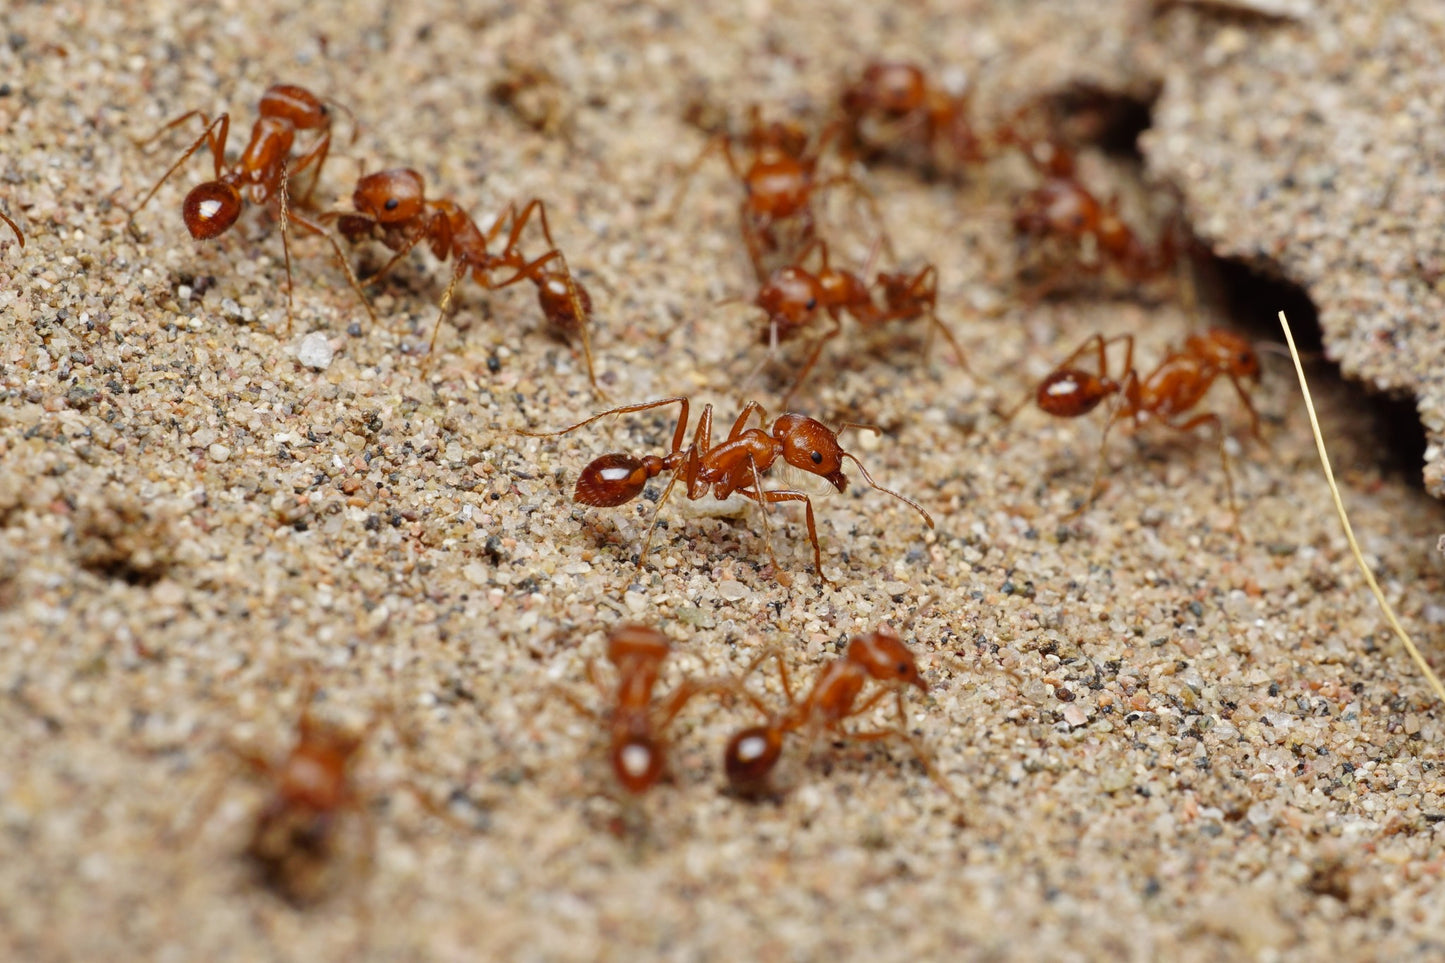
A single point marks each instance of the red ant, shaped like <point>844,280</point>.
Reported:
<point>392,207</point>
<point>753,753</point>
<point>792,296</point>
<point>893,107</point>
<point>262,173</point>
<point>780,182</point>
<point>1175,387</point>
<point>1091,232</point>
<point>733,466</point>
<point>14,227</point>
<point>637,751</point>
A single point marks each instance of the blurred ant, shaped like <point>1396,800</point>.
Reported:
<point>792,296</point>
<point>779,182</point>
<point>733,466</point>
<point>753,753</point>
<point>637,750</point>
<point>1090,234</point>
<point>1167,394</point>
<point>893,109</point>
<point>296,842</point>
<point>263,172</point>
<point>14,227</point>
<point>392,207</point>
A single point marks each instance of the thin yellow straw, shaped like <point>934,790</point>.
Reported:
<point>1410,646</point>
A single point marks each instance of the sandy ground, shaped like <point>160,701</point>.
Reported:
<point>1167,742</point>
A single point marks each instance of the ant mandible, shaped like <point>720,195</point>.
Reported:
<point>892,108</point>
<point>793,295</point>
<point>1167,394</point>
<point>733,466</point>
<point>262,173</point>
<point>753,753</point>
<point>392,207</point>
<point>779,182</point>
<point>637,749</point>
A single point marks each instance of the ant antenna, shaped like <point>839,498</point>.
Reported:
<point>888,491</point>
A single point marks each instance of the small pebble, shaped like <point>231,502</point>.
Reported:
<point>732,590</point>
<point>1074,715</point>
<point>218,452</point>
<point>315,351</point>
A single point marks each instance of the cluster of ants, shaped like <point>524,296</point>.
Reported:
<point>892,111</point>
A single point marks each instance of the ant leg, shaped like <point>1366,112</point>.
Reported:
<point>18,236</point>
<point>286,244</point>
<point>647,542</point>
<point>457,273</point>
<point>1248,405</point>
<point>341,259</point>
<point>925,758</point>
<point>215,134</point>
<point>812,359</point>
<point>1209,418</point>
<point>776,495</point>
<point>685,180</point>
<point>870,201</point>
<point>678,435</point>
<point>740,425</point>
<point>784,579</point>
<point>314,159</point>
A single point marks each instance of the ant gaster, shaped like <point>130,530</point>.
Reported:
<point>392,207</point>
<point>1167,394</point>
<point>753,753</point>
<point>262,173</point>
<point>733,466</point>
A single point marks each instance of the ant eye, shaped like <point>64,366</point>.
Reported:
<point>817,457</point>
<point>391,204</point>
<point>812,303</point>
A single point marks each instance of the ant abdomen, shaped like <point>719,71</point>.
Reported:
<point>751,755</point>
<point>613,479</point>
<point>211,209</point>
<point>1069,393</point>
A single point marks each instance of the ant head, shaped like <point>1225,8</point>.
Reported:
<point>391,197</point>
<point>1228,351</point>
<point>790,296</point>
<point>637,761</point>
<point>211,209</point>
<point>614,479</point>
<point>631,642</point>
<point>750,756</point>
<point>891,88</point>
<point>812,446</point>
<point>883,656</point>
<point>1070,392</point>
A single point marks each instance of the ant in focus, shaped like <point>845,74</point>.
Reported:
<point>637,750</point>
<point>780,181</point>
<point>733,466</point>
<point>1166,394</point>
<point>392,207</point>
<point>262,174</point>
<point>894,109</point>
<point>753,753</point>
<point>792,296</point>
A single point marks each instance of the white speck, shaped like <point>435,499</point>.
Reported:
<point>315,351</point>
<point>1074,716</point>
<point>218,452</point>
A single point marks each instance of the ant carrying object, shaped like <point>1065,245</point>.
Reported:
<point>733,466</point>
<point>893,109</point>
<point>637,750</point>
<point>263,172</point>
<point>792,297</point>
<point>753,753</point>
<point>780,181</point>
<point>1167,394</point>
<point>392,207</point>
